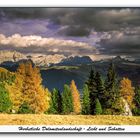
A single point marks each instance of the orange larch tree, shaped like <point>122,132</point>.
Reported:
<point>28,89</point>
<point>127,91</point>
<point>16,88</point>
<point>76,98</point>
<point>34,93</point>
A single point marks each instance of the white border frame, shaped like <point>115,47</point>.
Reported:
<point>69,3</point>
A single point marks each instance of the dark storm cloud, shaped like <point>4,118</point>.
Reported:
<point>120,43</point>
<point>32,13</point>
<point>75,30</point>
<point>100,19</point>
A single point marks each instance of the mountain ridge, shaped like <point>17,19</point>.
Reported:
<point>76,60</point>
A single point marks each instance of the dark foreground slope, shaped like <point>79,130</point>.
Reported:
<point>58,77</point>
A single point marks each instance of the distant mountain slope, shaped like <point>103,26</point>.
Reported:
<point>45,60</point>
<point>38,59</point>
<point>76,60</point>
<point>7,55</point>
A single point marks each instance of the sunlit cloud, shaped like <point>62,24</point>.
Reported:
<point>39,44</point>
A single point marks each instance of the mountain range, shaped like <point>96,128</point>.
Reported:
<point>43,60</point>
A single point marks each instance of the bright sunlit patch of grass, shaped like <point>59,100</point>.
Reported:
<point>42,119</point>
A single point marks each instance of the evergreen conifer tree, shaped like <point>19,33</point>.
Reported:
<point>54,103</point>
<point>25,109</point>
<point>5,102</point>
<point>91,83</point>
<point>98,107</point>
<point>100,88</point>
<point>59,102</point>
<point>67,101</point>
<point>85,101</point>
<point>112,90</point>
<point>136,109</point>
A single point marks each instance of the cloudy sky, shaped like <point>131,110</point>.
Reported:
<point>96,32</point>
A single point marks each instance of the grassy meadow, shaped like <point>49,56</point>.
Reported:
<point>42,119</point>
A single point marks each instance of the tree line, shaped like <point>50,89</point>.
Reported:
<point>22,92</point>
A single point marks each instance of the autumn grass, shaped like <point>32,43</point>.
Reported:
<point>30,119</point>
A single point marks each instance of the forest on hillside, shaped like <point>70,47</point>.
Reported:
<point>22,92</point>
